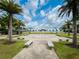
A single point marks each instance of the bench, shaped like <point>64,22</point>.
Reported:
<point>50,45</point>
<point>28,43</point>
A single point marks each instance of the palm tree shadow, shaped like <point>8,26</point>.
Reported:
<point>72,46</point>
<point>8,43</point>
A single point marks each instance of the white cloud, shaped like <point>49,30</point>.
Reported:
<point>51,19</point>
<point>32,6</point>
<point>42,2</point>
<point>42,13</point>
<point>33,24</point>
<point>17,1</point>
<point>26,15</point>
<point>55,9</point>
<point>27,18</point>
<point>25,10</point>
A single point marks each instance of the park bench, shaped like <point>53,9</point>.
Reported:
<point>28,43</point>
<point>50,45</point>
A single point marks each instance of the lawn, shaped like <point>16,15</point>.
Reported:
<point>62,34</point>
<point>41,32</point>
<point>65,51</point>
<point>7,51</point>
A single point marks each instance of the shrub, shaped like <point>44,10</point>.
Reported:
<point>60,40</point>
<point>67,40</point>
<point>22,38</point>
<point>18,38</point>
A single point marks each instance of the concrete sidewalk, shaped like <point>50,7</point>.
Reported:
<point>47,37</point>
<point>38,50</point>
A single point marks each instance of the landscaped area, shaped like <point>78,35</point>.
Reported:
<point>63,50</point>
<point>41,32</point>
<point>39,29</point>
<point>7,51</point>
<point>66,52</point>
<point>63,34</point>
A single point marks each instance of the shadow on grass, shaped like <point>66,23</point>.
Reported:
<point>9,43</point>
<point>72,46</point>
<point>6,42</point>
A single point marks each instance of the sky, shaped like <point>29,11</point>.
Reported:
<point>42,14</point>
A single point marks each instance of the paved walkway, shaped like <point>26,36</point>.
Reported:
<point>47,37</point>
<point>33,37</point>
<point>38,50</point>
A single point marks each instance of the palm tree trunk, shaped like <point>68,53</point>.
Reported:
<point>68,30</point>
<point>74,24</point>
<point>74,32</point>
<point>10,28</point>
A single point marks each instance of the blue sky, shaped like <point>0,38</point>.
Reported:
<point>39,14</point>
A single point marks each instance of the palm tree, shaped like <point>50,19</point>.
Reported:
<point>66,9</point>
<point>10,8</point>
<point>18,25</point>
<point>68,23</point>
<point>64,28</point>
<point>4,23</point>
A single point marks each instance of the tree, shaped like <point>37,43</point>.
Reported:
<point>11,8</point>
<point>67,8</point>
<point>68,24</point>
<point>16,23</point>
<point>3,22</point>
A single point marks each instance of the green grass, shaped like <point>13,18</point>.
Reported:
<point>66,52</point>
<point>62,34</point>
<point>7,51</point>
<point>41,32</point>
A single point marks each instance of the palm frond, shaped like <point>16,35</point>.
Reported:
<point>66,8</point>
<point>10,7</point>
